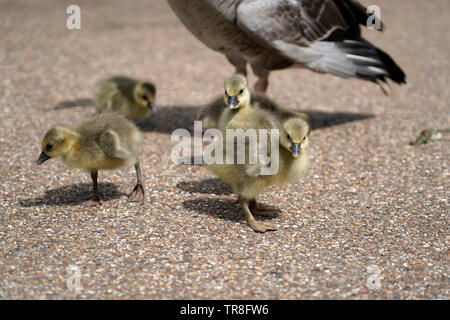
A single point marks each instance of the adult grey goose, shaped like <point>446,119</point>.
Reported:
<point>322,35</point>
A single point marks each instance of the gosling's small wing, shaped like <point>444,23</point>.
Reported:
<point>323,35</point>
<point>109,141</point>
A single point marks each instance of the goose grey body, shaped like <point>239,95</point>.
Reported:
<point>322,35</point>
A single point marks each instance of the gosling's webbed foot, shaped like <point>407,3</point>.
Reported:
<point>258,226</point>
<point>262,226</point>
<point>138,194</point>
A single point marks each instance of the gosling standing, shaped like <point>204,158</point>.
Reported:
<point>247,180</point>
<point>131,98</point>
<point>102,142</point>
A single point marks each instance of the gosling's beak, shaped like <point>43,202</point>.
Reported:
<point>295,149</point>
<point>232,102</point>
<point>151,106</point>
<point>42,158</point>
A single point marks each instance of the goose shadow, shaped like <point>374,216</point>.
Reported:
<point>81,102</point>
<point>320,119</point>
<point>72,195</point>
<point>207,186</point>
<point>169,118</point>
<point>227,209</point>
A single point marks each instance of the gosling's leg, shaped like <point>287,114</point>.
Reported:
<point>261,211</point>
<point>96,198</point>
<point>258,226</point>
<point>138,194</point>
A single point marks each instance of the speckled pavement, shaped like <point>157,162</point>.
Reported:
<point>368,199</point>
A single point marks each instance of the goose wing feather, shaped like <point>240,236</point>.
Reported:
<point>298,22</point>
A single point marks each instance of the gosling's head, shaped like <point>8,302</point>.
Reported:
<point>295,136</point>
<point>144,95</point>
<point>236,92</point>
<point>57,141</point>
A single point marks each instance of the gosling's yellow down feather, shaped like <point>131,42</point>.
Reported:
<point>102,142</point>
<point>247,180</point>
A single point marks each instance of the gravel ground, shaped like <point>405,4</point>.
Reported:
<point>368,198</point>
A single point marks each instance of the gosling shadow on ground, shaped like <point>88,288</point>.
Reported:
<point>320,119</point>
<point>169,118</point>
<point>227,209</point>
<point>72,195</point>
<point>207,186</point>
<point>166,119</point>
<point>82,102</point>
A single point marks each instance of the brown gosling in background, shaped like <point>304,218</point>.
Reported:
<point>102,142</point>
<point>246,179</point>
<point>131,98</point>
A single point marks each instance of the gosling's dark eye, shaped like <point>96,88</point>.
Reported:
<point>145,97</point>
<point>48,147</point>
<point>289,137</point>
<point>241,91</point>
